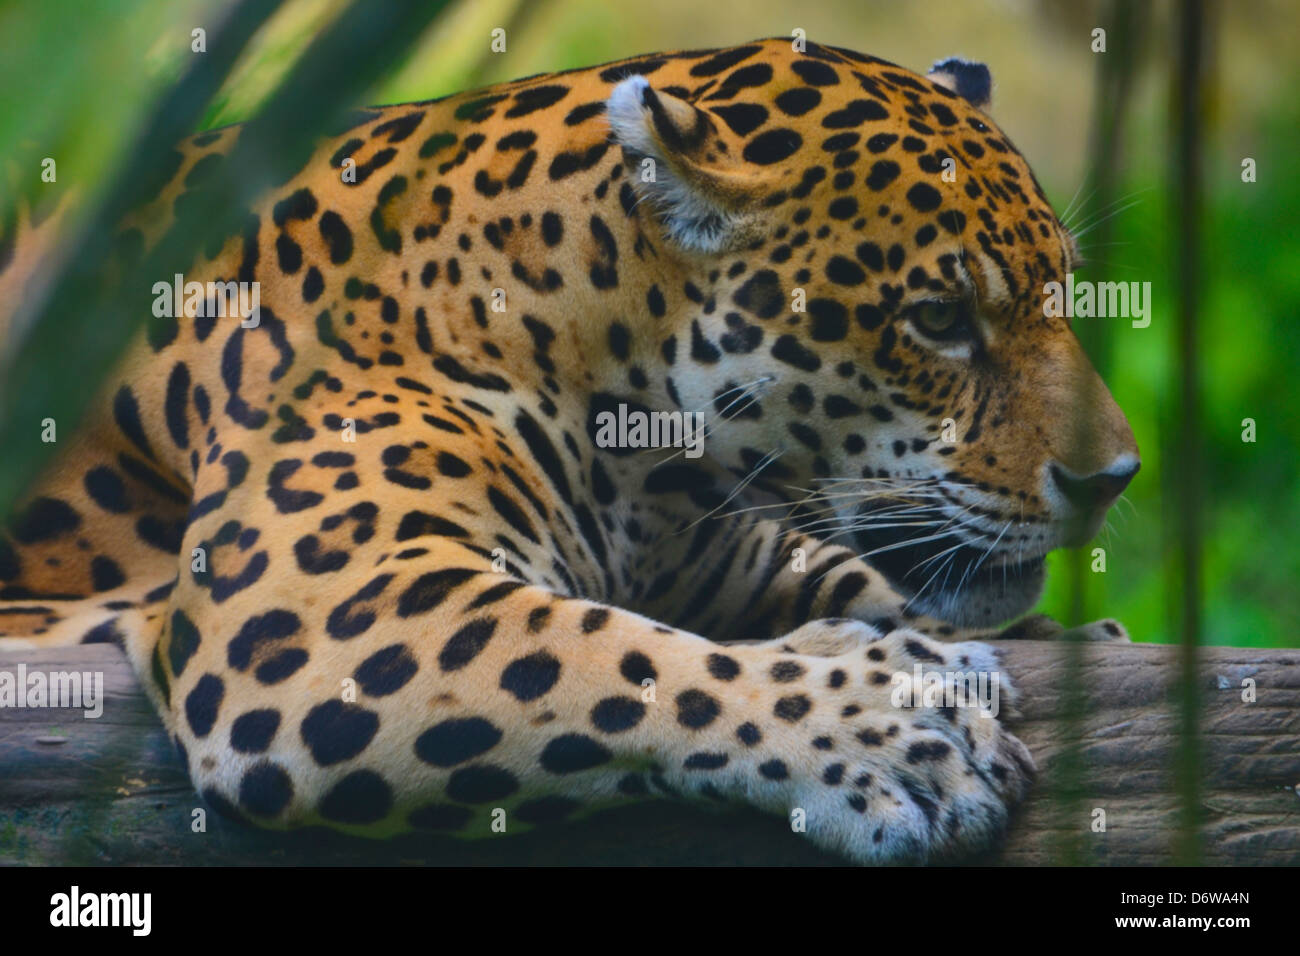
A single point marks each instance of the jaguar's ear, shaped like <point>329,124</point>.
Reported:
<point>680,166</point>
<point>971,81</point>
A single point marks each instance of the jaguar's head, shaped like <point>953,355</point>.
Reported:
<point>870,253</point>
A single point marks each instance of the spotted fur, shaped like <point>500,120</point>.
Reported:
<point>473,605</point>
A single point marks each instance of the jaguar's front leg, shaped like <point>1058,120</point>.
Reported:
<point>435,694</point>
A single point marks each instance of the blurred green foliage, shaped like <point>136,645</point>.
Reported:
<point>1249,307</point>
<point>78,81</point>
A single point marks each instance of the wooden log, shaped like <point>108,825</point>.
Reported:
<point>115,792</point>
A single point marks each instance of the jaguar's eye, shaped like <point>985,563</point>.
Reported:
<point>942,320</point>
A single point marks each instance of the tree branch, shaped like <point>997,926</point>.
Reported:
<point>115,791</point>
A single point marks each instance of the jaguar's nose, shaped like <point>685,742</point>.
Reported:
<point>1096,492</point>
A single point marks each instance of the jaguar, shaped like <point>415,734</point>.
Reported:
<point>378,569</point>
